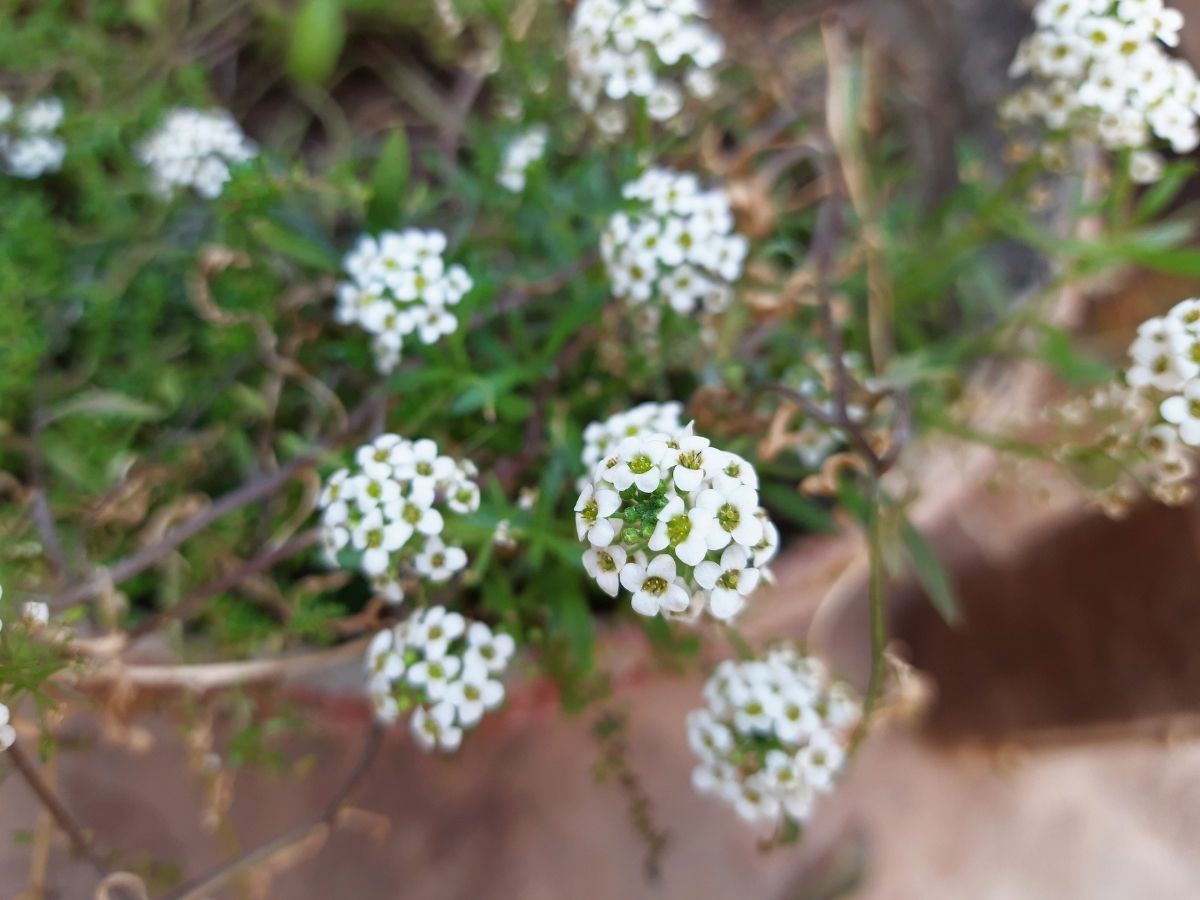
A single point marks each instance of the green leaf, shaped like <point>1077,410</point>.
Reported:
<point>1183,261</point>
<point>1058,351</point>
<point>99,402</point>
<point>796,508</point>
<point>571,617</point>
<point>930,572</point>
<point>318,33</point>
<point>295,246</point>
<point>1158,197</point>
<point>389,181</point>
<point>146,13</point>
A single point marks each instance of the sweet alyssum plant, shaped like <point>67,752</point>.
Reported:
<point>637,315</point>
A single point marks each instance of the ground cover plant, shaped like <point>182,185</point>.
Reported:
<point>454,335</point>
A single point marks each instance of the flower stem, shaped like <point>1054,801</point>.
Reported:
<point>877,597</point>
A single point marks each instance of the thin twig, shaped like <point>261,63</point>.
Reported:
<point>205,885</point>
<point>200,677</point>
<point>74,830</point>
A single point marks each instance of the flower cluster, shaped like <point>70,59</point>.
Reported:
<point>653,50</point>
<point>675,245</point>
<point>388,512</point>
<point>1100,72</point>
<point>194,149</point>
<point>677,523</point>
<point>445,670</point>
<point>526,149</point>
<point>1139,434</point>
<point>644,419</point>
<point>773,735</point>
<point>28,146</point>
<point>400,285</point>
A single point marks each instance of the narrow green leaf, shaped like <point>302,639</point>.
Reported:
<point>1058,351</point>
<point>930,572</point>
<point>318,33</point>
<point>571,617</point>
<point>294,246</point>
<point>796,508</point>
<point>99,402</point>
<point>1183,261</point>
<point>1159,197</point>
<point>389,181</point>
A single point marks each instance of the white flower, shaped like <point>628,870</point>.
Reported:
<point>463,497</point>
<point>8,734</point>
<point>592,511</point>
<point>438,563</point>
<point>655,537</point>
<point>524,150</point>
<point>434,727</point>
<point>1101,72</point>
<point>434,675</point>
<point>383,659</point>
<point>796,719</point>
<point>28,146</point>
<point>416,513</point>
<point>377,539</point>
<point>443,669</point>
<point>820,760</point>
<point>435,629</point>
<point>643,420</point>
<point>636,463</point>
<point>686,531</point>
<point>655,587</point>
<point>42,116</point>
<point>728,582</point>
<point>486,648</point>
<point>665,101</point>
<point>626,50</point>
<point>400,285</point>
<point>194,149</point>
<point>1145,167</point>
<point>732,471</point>
<point>604,565</point>
<point>675,244</point>
<point>473,694</point>
<point>768,545</point>
<point>754,802</point>
<point>1183,411</point>
<point>736,515</point>
<point>763,742</point>
<point>391,495</point>
<point>36,613</point>
<point>693,461</point>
